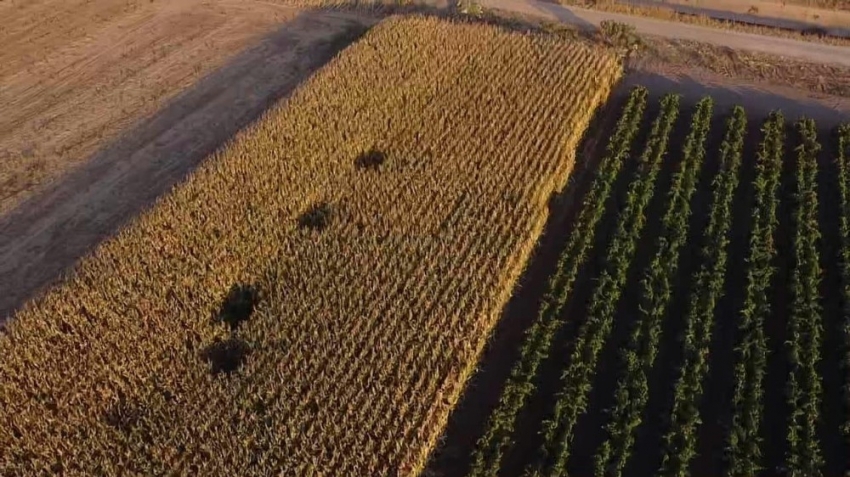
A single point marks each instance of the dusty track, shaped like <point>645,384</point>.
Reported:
<point>590,19</point>
<point>72,105</point>
<point>764,13</point>
<point>75,74</point>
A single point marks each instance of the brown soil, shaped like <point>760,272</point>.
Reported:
<point>98,118</point>
<point>77,73</point>
<point>759,87</point>
<point>760,12</point>
<point>758,100</point>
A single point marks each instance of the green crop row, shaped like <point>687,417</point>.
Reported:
<point>638,358</point>
<point>487,456</point>
<point>680,441</point>
<point>805,328</point>
<point>576,380</point>
<point>744,446</point>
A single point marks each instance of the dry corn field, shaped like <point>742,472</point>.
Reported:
<point>312,300</point>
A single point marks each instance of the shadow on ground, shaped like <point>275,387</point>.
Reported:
<point>467,422</point>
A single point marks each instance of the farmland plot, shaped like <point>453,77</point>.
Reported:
<point>614,409</point>
<point>312,300</point>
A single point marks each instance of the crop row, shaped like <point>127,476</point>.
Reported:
<point>638,358</point>
<point>680,440</point>
<point>805,327</point>
<point>537,341</point>
<point>576,379</point>
<point>744,446</point>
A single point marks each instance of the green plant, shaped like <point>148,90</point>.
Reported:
<point>843,163</point>
<point>805,330</point>
<point>620,35</point>
<point>576,380</point>
<point>744,445</point>
<point>638,357</point>
<point>486,459</point>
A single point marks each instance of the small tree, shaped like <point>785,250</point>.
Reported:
<point>621,35</point>
<point>470,7</point>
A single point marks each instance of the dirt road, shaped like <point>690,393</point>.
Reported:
<point>764,13</point>
<point>590,19</point>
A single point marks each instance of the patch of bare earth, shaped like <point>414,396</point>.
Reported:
<point>106,104</point>
<point>759,99</point>
<point>760,12</point>
<point>760,83</point>
<point>76,73</point>
<point>820,82</point>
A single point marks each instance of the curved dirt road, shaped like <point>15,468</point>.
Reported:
<point>590,19</point>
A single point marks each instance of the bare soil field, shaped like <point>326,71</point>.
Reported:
<point>759,99</point>
<point>99,118</point>
<point>76,73</point>
<point>816,79</point>
<point>830,4</point>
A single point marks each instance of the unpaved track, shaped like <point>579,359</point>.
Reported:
<point>49,231</point>
<point>765,13</point>
<point>590,19</point>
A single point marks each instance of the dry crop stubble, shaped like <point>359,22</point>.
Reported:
<point>383,215</point>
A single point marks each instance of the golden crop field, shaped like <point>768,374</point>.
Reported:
<point>312,300</point>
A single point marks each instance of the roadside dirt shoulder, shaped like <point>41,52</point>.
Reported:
<point>758,99</point>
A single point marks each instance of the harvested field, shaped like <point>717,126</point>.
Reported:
<point>697,320</point>
<point>91,144</point>
<point>75,74</point>
<point>312,300</point>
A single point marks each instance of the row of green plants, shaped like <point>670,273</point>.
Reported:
<point>487,456</point>
<point>679,445</point>
<point>805,325</point>
<point>577,379</point>
<point>843,162</point>
<point>744,443</point>
<point>638,357</point>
